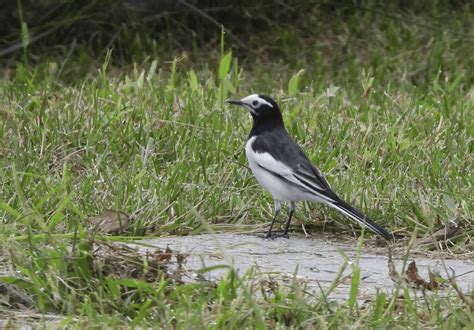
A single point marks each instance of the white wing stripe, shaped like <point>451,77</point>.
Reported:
<point>315,189</point>
<point>267,162</point>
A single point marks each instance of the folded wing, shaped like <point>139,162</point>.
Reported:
<point>306,179</point>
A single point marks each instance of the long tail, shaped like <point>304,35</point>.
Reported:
<point>360,218</point>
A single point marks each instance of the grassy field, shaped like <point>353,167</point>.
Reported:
<point>384,107</point>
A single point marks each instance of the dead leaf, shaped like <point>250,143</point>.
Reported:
<point>121,261</point>
<point>412,276</point>
<point>109,222</point>
<point>163,256</point>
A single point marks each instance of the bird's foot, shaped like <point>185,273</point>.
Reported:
<point>273,235</point>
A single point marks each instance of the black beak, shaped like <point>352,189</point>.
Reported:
<point>236,102</point>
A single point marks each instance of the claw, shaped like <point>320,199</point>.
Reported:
<point>284,235</point>
<point>273,235</point>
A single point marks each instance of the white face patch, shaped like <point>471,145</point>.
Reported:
<point>254,101</point>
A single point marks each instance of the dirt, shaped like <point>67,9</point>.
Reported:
<point>316,261</point>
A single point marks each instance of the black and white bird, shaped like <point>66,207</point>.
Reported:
<point>283,169</point>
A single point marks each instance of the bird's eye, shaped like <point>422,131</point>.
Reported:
<point>255,103</point>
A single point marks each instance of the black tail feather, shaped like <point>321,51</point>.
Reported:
<point>362,219</point>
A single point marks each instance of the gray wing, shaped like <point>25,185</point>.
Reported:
<point>290,162</point>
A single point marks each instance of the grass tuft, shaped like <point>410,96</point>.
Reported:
<point>380,100</point>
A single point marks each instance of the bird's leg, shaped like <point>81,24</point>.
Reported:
<point>292,211</point>
<point>277,211</point>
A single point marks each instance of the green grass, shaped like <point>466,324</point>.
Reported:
<point>163,147</point>
<point>384,109</point>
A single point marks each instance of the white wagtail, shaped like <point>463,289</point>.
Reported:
<point>283,169</point>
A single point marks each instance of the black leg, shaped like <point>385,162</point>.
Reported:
<point>292,211</point>
<point>285,233</point>
<point>277,211</point>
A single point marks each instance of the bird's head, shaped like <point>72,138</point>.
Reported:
<point>261,107</point>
